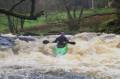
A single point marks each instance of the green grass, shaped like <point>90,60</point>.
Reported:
<point>3,23</point>
<point>30,23</point>
<point>52,17</point>
<point>96,11</point>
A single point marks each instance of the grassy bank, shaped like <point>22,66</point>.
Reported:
<point>52,17</point>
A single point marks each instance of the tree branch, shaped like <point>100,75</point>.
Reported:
<point>81,13</point>
<point>16,5</point>
<point>20,15</point>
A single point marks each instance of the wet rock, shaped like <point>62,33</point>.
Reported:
<point>26,38</point>
<point>15,77</point>
<point>1,76</point>
<point>108,36</point>
<point>6,42</point>
<point>59,72</point>
<point>30,34</point>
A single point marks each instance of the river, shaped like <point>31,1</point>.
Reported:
<point>94,56</point>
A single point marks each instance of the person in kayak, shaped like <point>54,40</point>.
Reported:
<point>61,40</point>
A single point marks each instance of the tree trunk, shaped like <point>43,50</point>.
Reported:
<point>93,4</point>
<point>69,15</point>
<point>117,6</point>
<point>10,24</point>
<point>108,3</point>
<point>22,25</point>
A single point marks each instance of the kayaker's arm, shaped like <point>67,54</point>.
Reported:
<point>55,41</point>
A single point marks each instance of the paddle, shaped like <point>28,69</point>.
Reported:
<point>72,43</point>
<point>46,42</point>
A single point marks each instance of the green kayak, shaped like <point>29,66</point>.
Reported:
<point>60,51</point>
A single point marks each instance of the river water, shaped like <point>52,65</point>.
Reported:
<point>95,56</point>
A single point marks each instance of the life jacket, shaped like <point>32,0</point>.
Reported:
<point>61,41</point>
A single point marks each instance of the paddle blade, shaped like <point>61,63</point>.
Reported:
<point>72,43</point>
<point>45,42</point>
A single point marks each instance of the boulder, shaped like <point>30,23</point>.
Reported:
<point>6,42</point>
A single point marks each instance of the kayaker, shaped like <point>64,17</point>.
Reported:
<point>61,40</point>
<point>62,47</point>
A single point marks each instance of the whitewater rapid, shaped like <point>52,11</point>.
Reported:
<point>96,56</point>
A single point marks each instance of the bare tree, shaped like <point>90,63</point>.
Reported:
<point>18,10</point>
<point>74,11</point>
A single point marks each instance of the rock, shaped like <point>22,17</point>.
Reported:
<point>30,34</point>
<point>6,42</point>
<point>108,36</point>
<point>15,77</point>
<point>26,38</point>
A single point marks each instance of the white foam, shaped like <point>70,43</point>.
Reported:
<point>97,55</point>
